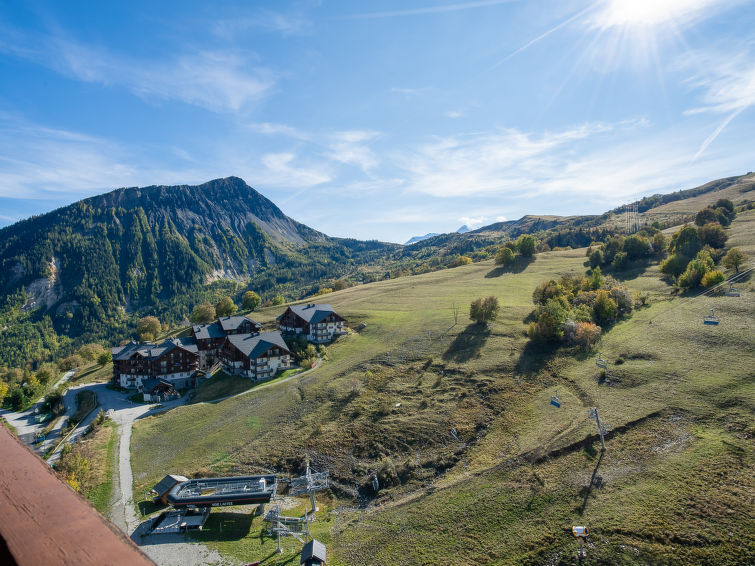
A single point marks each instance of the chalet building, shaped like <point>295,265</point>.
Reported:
<point>238,325</point>
<point>175,361</point>
<point>210,337</point>
<point>256,356</point>
<point>318,323</point>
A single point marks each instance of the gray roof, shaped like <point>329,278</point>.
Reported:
<point>254,345</point>
<point>148,350</point>
<point>167,483</point>
<point>228,323</point>
<point>208,331</point>
<point>312,313</point>
<point>314,549</point>
<point>151,383</point>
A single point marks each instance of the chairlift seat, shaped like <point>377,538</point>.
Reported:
<point>711,319</point>
<point>555,401</point>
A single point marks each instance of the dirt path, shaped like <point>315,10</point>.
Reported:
<point>165,550</point>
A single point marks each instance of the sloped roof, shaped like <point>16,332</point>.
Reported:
<point>151,383</point>
<point>311,313</point>
<point>254,345</point>
<point>154,350</point>
<point>314,549</point>
<point>167,483</point>
<point>208,331</point>
<point>229,323</point>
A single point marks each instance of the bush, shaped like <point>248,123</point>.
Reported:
<point>250,301</point>
<point>278,300</point>
<point>225,307</point>
<point>484,310</point>
<point>734,259</point>
<point>71,362</point>
<point>713,278</point>
<point>620,260</point>
<point>605,309</point>
<point>696,270</point>
<point>461,260</point>
<point>706,215</point>
<point>713,235</point>
<point>202,314</point>
<point>587,334</point>
<point>659,243</point>
<point>504,256</point>
<point>148,328</point>
<point>526,245</point>
<point>105,358</point>
<point>596,258</point>
<point>675,265</point>
<point>686,241</point>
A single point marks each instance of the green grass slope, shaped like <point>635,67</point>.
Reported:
<point>675,485</point>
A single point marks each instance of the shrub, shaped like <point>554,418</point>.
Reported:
<point>706,215</point>
<point>278,300</point>
<point>605,309</point>
<point>713,278</point>
<point>713,235</point>
<point>587,334</point>
<point>504,256</point>
<point>526,245</point>
<point>225,307</point>
<point>734,259</point>
<point>484,310</point>
<point>686,241</point>
<point>250,301</point>
<point>620,260</point>
<point>202,314</point>
<point>148,328</point>
<point>675,265</point>
<point>659,243</point>
<point>461,260</point>
<point>596,258</point>
<point>696,270</point>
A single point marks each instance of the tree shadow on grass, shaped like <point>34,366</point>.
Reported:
<point>467,344</point>
<point>535,356</point>
<point>519,265</point>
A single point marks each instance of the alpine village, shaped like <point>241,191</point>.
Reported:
<point>190,376</point>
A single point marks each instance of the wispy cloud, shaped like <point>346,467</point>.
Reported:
<point>473,221</point>
<point>217,80</point>
<point>284,23</point>
<point>438,9</point>
<point>269,128</point>
<point>453,114</point>
<point>285,170</point>
<point>727,82</point>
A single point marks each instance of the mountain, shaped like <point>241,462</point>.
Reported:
<point>87,269</point>
<point>415,239</point>
<point>463,229</point>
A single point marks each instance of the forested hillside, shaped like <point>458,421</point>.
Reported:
<point>86,270</point>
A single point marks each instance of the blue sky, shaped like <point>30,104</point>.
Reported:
<point>382,119</point>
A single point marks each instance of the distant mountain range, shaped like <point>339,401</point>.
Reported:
<point>87,271</point>
<point>414,239</point>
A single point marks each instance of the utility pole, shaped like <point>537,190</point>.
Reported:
<point>602,428</point>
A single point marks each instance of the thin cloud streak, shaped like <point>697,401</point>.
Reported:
<point>542,36</point>
<point>428,10</point>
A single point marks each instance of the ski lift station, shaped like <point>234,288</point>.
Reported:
<point>222,492</point>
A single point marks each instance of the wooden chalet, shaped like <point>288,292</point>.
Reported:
<point>256,356</point>
<point>175,360</point>
<point>238,325</point>
<point>318,323</point>
<point>210,337</point>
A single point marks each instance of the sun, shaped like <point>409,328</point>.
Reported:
<point>650,13</point>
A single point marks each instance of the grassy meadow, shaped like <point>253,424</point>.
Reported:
<point>674,486</point>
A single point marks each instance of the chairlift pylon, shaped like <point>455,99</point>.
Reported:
<point>711,319</point>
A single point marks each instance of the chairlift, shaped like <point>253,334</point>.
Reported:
<point>711,319</point>
<point>600,362</point>
<point>555,401</point>
<point>733,291</point>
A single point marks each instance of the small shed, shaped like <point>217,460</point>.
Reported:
<point>313,554</point>
<point>163,487</point>
<point>157,390</point>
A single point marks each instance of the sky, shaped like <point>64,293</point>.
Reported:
<point>382,119</point>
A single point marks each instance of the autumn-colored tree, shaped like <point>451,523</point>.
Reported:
<point>250,301</point>
<point>225,307</point>
<point>202,314</point>
<point>484,310</point>
<point>734,259</point>
<point>148,328</point>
